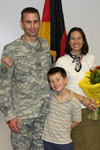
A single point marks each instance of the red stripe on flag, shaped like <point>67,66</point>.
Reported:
<point>63,44</point>
<point>46,11</point>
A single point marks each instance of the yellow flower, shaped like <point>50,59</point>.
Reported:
<point>91,87</point>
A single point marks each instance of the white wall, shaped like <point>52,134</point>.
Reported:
<point>81,13</point>
<point>85,14</point>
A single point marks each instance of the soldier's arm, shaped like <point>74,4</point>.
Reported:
<point>6,73</point>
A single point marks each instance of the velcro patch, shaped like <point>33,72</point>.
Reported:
<point>8,61</point>
<point>4,69</point>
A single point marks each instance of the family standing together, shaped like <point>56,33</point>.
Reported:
<point>42,103</point>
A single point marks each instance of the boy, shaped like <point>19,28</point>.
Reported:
<point>64,115</point>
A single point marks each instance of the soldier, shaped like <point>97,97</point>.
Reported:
<point>24,89</point>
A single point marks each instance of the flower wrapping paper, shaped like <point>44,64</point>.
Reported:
<point>93,92</point>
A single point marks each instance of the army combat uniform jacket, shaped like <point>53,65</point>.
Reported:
<point>23,79</point>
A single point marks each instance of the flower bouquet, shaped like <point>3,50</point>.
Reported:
<point>91,87</point>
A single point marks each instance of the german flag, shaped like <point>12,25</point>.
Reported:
<point>53,28</point>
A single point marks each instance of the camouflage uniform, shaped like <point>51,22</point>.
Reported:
<point>24,89</point>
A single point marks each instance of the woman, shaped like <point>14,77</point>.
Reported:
<point>76,62</point>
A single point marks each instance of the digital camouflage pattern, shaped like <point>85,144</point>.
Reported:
<point>24,88</point>
<point>32,130</point>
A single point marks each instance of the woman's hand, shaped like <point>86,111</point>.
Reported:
<point>86,102</point>
<point>89,104</point>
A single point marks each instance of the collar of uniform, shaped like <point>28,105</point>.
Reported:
<point>30,45</point>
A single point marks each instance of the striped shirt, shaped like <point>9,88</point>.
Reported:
<point>57,127</point>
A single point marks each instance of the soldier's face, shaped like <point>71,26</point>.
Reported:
<point>30,24</point>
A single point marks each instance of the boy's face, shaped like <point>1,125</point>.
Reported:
<point>57,82</point>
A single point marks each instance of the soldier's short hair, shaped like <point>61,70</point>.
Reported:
<point>29,10</point>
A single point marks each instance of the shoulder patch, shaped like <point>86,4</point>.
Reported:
<point>4,69</point>
<point>8,61</point>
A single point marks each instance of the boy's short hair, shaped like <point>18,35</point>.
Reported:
<point>54,70</point>
<point>29,10</point>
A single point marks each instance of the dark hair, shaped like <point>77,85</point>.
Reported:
<point>55,70</point>
<point>29,10</point>
<point>85,47</point>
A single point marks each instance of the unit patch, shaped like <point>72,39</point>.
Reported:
<point>4,69</point>
<point>8,61</point>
